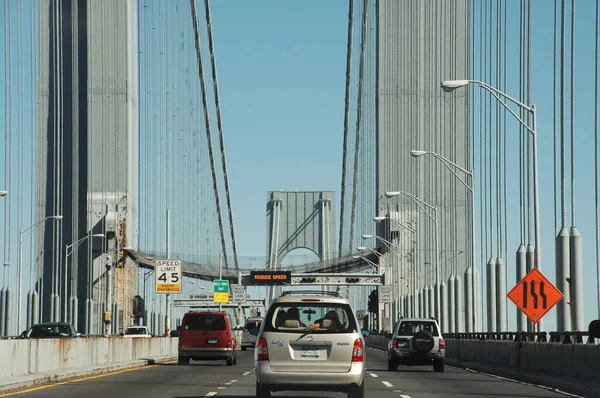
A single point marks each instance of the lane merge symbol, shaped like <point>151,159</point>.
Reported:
<point>535,295</point>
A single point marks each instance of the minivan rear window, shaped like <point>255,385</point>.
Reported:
<point>313,316</point>
<point>205,322</point>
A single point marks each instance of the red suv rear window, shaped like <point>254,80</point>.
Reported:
<point>205,322</point>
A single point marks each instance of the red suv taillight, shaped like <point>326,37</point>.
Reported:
<point>262,353</point>
<point>395,343</point>
<point>357,351</point>
<point>442,344</point>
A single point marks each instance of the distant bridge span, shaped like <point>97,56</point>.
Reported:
<point>211,272</point>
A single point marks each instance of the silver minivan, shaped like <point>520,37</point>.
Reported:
<point>310,342</point>
<point>250,333</point>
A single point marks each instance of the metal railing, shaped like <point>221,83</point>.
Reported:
<point>535,337</point>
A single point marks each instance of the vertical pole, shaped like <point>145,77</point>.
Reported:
<point>536,201</point>
<point>471,298</point>
<point>65,298</point>
<point>20,283</point>
<point>491,295</point>
<point>168,296</point>
<point>521,272</point>
<point>438,313</point>
<point>220,278</point>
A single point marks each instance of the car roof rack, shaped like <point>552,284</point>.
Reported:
<point>310,293</point>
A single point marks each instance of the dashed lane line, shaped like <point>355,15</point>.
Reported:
<point>230,382</point>
<point>404,396</point>
<point>373,375</point>
<point>246,373</point>
<point>211,394</point>
<point>387,384</point>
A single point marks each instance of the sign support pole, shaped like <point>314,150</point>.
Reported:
<point>220,278</point>
<point>168,297</point>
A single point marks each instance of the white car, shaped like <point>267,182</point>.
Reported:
<point>137,332</point>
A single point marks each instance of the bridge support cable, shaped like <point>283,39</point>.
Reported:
<point>207,127</point>
<point>213,64</point>
<point>346,122</point>
<point>596,157</point>
<point>358,120</point>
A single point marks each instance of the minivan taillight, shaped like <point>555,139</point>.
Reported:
<point>357,351</point>
<point>442,344</point>
<point>262,353</point>
<point>395,343</point>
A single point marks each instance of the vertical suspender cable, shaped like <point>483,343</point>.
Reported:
<point>521,157</point>
<point>554,115</point>
<point>346,122</point>
<point>562,114</point>
<point>207,127</point>
<point>525,131</point>
<point>213,63</point>
<point>358,119</point>
<point>572,118</point>
<point>596,158</point>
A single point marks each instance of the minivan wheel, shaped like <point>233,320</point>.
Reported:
<point>262,391</point>
<point>181,360</point>
<point>358,392</point>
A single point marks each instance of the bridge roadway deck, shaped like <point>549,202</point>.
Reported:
<point>205,379</point>
<point>211,271</point>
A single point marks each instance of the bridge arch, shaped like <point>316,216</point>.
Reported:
<point>300,220</point>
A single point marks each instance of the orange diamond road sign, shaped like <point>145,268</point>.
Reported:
<point>535,295</point>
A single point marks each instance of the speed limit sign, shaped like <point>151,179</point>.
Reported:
<point>167,275</point>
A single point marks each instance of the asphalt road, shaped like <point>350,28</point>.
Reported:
<point>205,379</point>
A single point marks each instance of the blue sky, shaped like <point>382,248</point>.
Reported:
<point>281,67</point>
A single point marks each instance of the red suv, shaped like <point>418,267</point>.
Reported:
<point>206,336</point>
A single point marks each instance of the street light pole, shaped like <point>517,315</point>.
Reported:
<point>73,299</point>
<point>20,265</point>
<point>420,202</point>
<point>470,324</point>
<point>450,85</point>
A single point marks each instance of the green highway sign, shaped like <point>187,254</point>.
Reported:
<point>221,286</point>
<point>221,291</point>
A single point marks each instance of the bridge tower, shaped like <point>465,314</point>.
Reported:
<point>300,220</point>
<point>87,130</point>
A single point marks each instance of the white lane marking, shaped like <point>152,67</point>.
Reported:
<point>230,382</point>
<point>373,375</point>
<point>221,388</point>
<point>211,394</point>
<point>404,396</point>
<point>387,384</point>
<point>246,373</point>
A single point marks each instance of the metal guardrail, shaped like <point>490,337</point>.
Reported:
<point>535,337</point>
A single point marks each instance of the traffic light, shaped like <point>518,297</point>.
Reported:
<point>373,302</point>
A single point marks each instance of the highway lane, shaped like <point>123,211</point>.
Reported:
<point>205,379</point>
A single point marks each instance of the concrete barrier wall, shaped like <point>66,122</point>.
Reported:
<point>574,360</point>
<point>21,357</point>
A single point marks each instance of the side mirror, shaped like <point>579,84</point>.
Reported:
<point>594,329</point>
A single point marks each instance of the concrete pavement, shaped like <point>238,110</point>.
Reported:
<point>205,379</point>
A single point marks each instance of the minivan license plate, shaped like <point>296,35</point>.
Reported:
<point>213,341</point>
<point>309,354</point>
